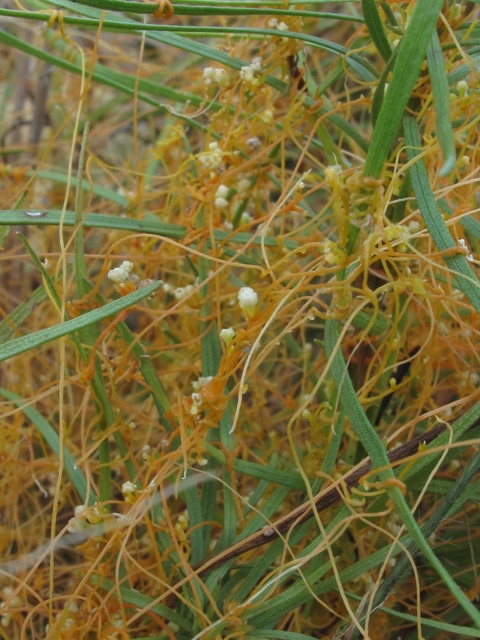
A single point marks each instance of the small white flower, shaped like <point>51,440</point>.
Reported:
<point>227,335</point>
<point>267,116</point>
<point>182,292</point>
<point>257,64</point>
<point>282,27</point>
<point>128,488</point>
<point>78,523</point>
<point>254,143</point>
<point>248,73</point>
<point>212,160</point>
<point>300,185</point>
<point>248,300</point>
<point>221,203</point>
<point>243,185</point>
<point>197,399</point>
<point>462,88</point>
<point>245,218</point>
<point>167,287</point>
<point>116,620</point>
<point>197,402</point>
<point>414,226</point>
<point>272,23</point>
<point>222,191</point>
<point>215,76</point>
<point>208,75</point>
<point>228,225</point>
<point>146,452</point>
<point>201,382</point>
<point>121,273</point>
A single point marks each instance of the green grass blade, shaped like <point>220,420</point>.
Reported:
<point>285,478</point>
<point>379,95</point>
<point>89,334</point>
<point>464,276</point>
<point>133,597</point>
<point>79,253</point>
<point>52,439</point>
<point>441,98</point>
<point>411,54</point>
<point>425,622</point>
<point>34,340</point>
<point>371,441</point>
<point>459,427</point>
<point>146,367</point>
<point>375,28</point>
<point>22,312</point>
<point>103,221</point>
<point>403,566</point>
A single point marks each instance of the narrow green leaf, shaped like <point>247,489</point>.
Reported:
<point>460,426</point>
<point>221,57</point>
<point>146,367</point>
<point>363,319</point>
<point>411,54</point>
<point>103,221</point>
<point>379,95</point>
<point>52,439</point>
<point>466,279</point>
<point>22,312</point>
<point>79,253</point>
<point>375,28</point>
<point>285,478</point>
<point>135,598</point>
<point>441,98</point>
<point>425,622</point>
<point>371,441</point>
<point>33,340</point>
<point>403,566</point>
<point>277,635</point>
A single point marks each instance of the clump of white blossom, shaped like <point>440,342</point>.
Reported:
<point>215,76</point>
<point>201,382</point>
<point>122,273</point>
<point>249,73</point>
<point>248,300</point>
<point>227,335</point>
<point>221,201</point>
<point>213,159</point>
<point>254,143</point>
<point>182,292</point>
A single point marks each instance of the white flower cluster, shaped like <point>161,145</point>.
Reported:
<point>182,292</point>
<point>243,186</point>
<point>197,402</point>
<point>201,382</point>
<point>78,522</point>
<point>122,273</point>
<point>221,201</point>
<point>245,218</point>
<point>462,88</point>
<point>12,604</point>
<point>465,250</point>
<point>249,73</point>
<point>227,335</point>
<point>215,76</point>
<point>129,491</point>
<point>254,143</point>
<point>248,300</point>
<point>273,23</point>
<point>212,160</point>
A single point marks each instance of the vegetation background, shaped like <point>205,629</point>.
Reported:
<point>240,374</point>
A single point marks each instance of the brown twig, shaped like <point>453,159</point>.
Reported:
<point>324,500</point>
